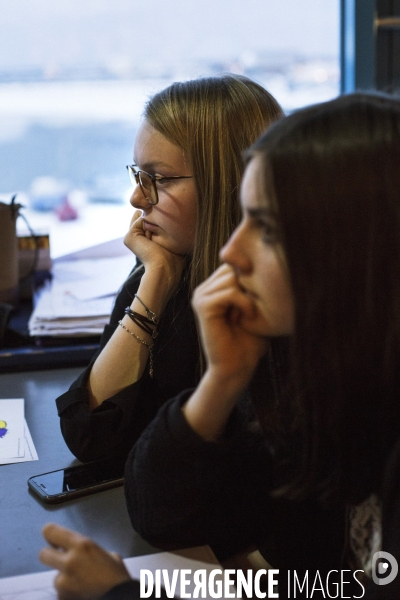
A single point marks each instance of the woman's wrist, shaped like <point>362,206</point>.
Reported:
<point>225,377</point>
<point>208,409</point>
<point>155,289</point>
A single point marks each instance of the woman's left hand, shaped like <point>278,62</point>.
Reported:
<point>86,571</point>
<point>232,348</point>
<point>226,317</point>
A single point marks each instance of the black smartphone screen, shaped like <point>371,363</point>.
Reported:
<point>70,481</point>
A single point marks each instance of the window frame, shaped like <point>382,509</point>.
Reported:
<point>370,45</point>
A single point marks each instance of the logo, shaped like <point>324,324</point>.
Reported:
<point>3,428</point>
<point>384,568</point>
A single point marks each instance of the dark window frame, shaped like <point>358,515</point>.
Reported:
<point>370,45</point>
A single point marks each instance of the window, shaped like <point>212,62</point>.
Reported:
<point>74,77</point>
<point>370,45</point>
<point>387,71</point>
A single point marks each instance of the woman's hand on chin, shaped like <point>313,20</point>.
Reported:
<point>154,257</point>
<point>227,320</point>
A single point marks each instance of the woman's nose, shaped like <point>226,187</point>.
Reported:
<point>234,252</point>
<point>138,199</point>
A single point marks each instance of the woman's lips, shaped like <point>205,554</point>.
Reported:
<point>150,226</point>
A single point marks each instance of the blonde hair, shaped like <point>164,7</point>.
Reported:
<point>213,120</point>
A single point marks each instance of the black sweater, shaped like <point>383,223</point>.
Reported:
<point>182,491</point>
<point>114,427</point>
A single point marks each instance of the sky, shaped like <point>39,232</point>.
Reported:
<point>69,32</point>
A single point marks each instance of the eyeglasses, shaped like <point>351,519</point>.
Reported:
<point>148,183</point>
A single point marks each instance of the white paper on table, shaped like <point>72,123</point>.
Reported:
<point>79,299</point>
<point>108,249</point>
<point>92,278</point>
<point>30,450</point>
<point>57,313</point>
<point>54,303</point>
<point>12,443</point>
<point>39,586</point>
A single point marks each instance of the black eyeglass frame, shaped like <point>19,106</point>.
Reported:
<point>135,177</point>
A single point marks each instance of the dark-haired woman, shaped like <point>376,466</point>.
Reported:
<point>310,282</point>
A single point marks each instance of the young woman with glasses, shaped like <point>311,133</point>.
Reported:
<point>313,268</point>
<point>186,175</point>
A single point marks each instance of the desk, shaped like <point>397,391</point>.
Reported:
<point>102,516</point>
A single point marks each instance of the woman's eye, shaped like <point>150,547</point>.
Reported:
<point>270,233</point>
<point>162,179</point>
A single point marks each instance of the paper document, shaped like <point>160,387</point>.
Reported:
<point>39,586</point>
<point>16,444</point>
<point>91,278</point>
<point>61,314</point>
<point>108,249</point>
<point>79,299</point>
<point>12,439</point>
<point>30,450</point>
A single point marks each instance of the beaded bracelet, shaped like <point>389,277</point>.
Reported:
<point>149,346</point>
<point>143,322</point>
<point>151,315</point>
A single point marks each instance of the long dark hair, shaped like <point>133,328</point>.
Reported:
<point>333,171</point>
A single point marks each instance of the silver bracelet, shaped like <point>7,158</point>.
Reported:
<point>150,314</point>
<point>139,339</point>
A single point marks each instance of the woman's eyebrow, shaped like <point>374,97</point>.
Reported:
<point>153,165</point>
<point>257,213</point>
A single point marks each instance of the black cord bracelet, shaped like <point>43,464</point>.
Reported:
<point>143,322</point>
<point>151,315</point>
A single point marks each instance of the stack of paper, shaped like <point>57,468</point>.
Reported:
<point>78,300</point>
<point>16,443</point>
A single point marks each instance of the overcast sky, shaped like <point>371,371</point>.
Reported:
<point>67,32</point>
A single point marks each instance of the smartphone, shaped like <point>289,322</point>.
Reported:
<point>81,480</point>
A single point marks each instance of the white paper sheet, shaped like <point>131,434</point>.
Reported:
<point>92,278</point>
<point>80,297</point>
<point>30,450</point>
<point>39,586</point>
<point>12,442</point>
<point>108,249</point>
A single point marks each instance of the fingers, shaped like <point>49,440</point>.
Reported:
<point>222,293</point>
<point>136,223</point>
<point>61,540</point>
<point>136,216</point>
<point>136,232</point>
<point>60,537</point>
<point>234,315</point>
<point>52,558</point>
<point>85,569</point>
<point>223,271</point>
<point>217,280</point>
<point>222,278</point>
<point>229,304</point>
